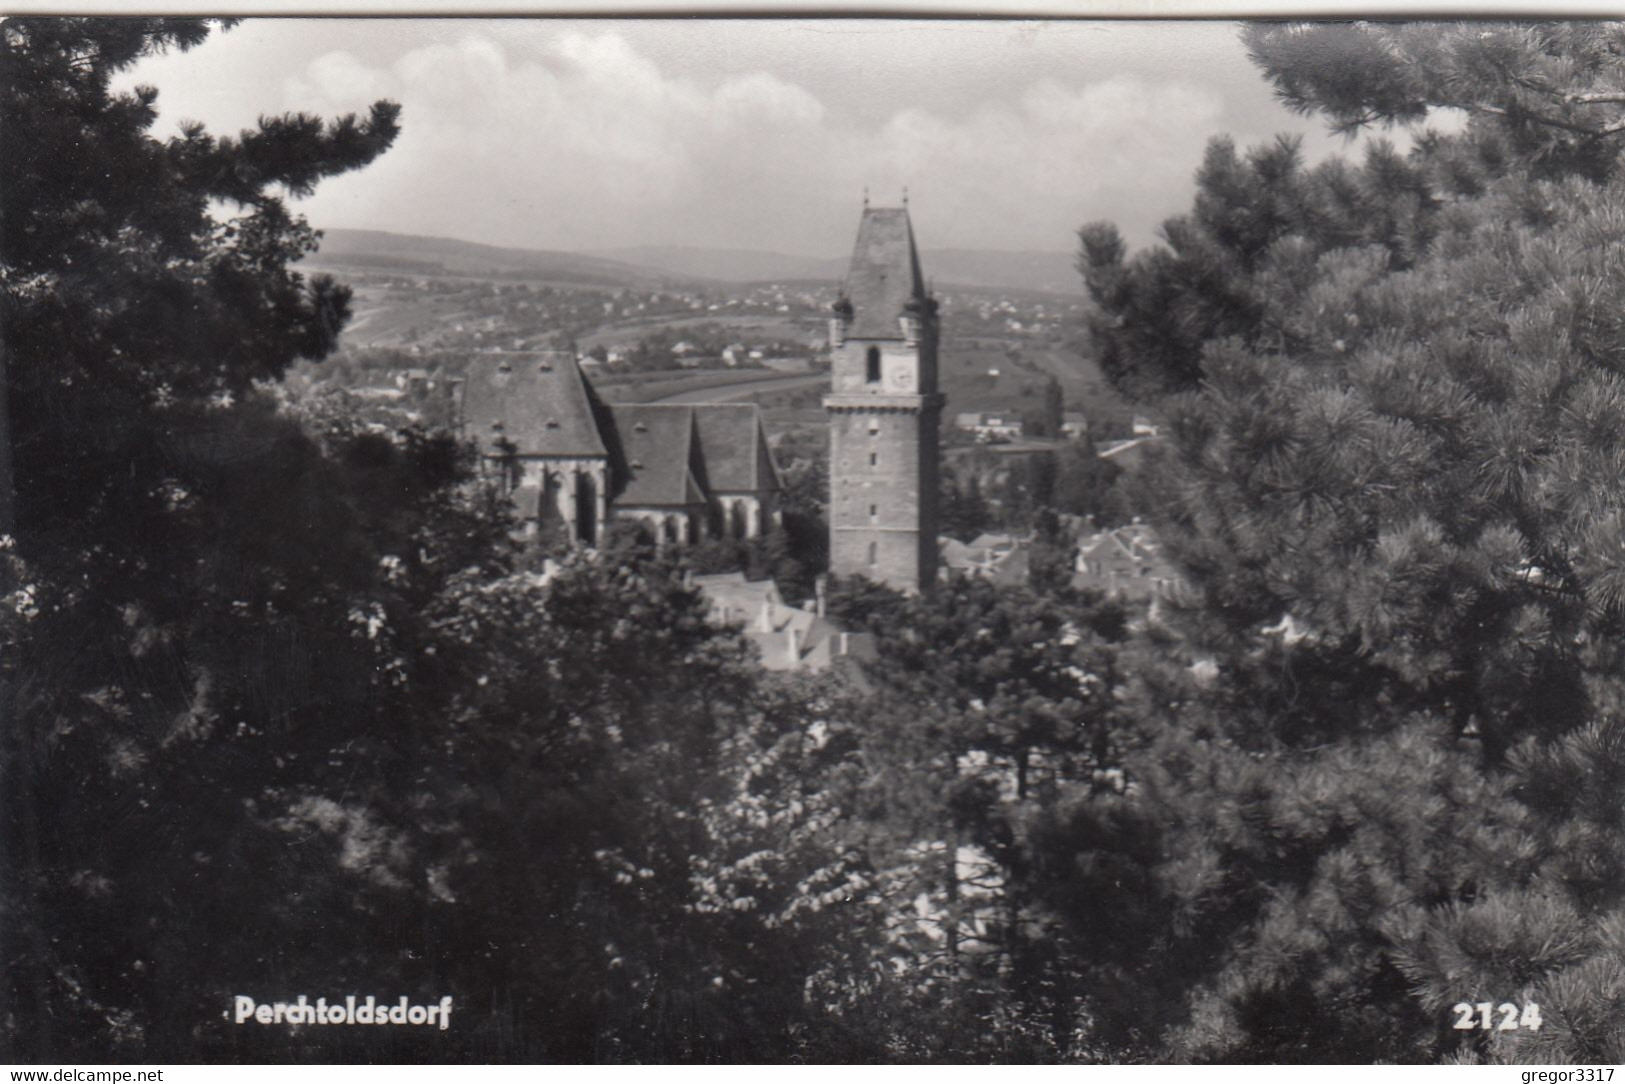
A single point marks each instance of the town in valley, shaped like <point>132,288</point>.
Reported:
<point>1023,411</point>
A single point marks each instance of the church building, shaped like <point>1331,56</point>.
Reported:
<point>692,472</point>
<point>569,460</point>
<point>883,411</point>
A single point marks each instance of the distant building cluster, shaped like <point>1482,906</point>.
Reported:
<point>1001,559</point>
<point>988,425</point>
<point>787,637</point>
<point>1124,561</point>
<point>1011,315</point>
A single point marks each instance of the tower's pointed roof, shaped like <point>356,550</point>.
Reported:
<point>885,273</point>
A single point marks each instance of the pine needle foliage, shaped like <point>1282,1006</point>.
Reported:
<point>1392,483</point>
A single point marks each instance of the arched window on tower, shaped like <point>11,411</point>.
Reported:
<point>874,553</point>
<point>872,365</point>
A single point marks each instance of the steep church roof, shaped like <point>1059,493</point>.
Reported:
<point>540,403</point>
<point>658,444</point>
<point>734,445</point>
<point>885,273</point>
<point>660,455</point>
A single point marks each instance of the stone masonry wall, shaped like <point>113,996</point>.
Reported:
<point>883,494</point>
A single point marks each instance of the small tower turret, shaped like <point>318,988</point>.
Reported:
<point>840,322</point>
<point>917,312</point>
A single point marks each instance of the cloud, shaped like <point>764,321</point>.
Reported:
<point>579,143</point>
<point>336,77</point>
<point>533,134</point>
<point>1026,174</point>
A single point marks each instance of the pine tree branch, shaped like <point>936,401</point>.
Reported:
<point>1549,122</point>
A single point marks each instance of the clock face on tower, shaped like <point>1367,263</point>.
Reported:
<point>902,378</point>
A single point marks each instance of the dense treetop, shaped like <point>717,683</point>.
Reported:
<point>1393,482</point>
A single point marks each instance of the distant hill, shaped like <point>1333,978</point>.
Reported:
<point>727,264</point>
<point>653,265</point>
<point>378,250</point>
<point>1050,272</point>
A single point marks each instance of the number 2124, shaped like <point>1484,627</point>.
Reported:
<point>1482,1016</point>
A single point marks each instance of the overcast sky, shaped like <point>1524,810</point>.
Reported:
<point>747,133</point>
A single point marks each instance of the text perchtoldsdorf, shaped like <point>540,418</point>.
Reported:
<point>351,1010</point>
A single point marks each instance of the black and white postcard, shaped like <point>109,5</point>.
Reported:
<point>812,540</point>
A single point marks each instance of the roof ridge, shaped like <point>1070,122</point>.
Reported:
<point>690,435</point>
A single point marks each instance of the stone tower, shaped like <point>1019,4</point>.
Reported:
<point>883,411</point>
